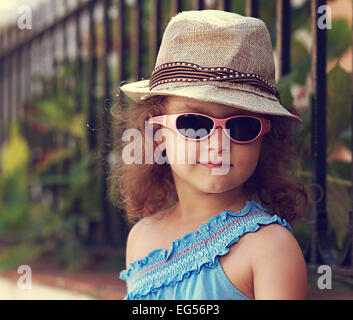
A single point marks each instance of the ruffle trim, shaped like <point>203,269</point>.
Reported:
<point>162,253</point>
<point>207,262</point>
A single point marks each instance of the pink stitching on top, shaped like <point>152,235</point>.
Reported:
<point>198,244</point>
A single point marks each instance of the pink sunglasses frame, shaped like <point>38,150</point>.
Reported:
<point>169,121</point>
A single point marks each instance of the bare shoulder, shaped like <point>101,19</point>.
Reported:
<point>273,240</point>
<point>277,263</point>
<point>143,229</point>
<point>273,233</point>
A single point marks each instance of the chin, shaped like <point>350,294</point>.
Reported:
<point>217,186</point>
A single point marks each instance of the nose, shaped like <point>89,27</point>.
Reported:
<point>216,143</point>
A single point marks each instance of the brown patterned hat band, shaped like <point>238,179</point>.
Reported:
<point>188,72</point>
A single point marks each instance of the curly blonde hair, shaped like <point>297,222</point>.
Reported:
<point>145,189</point>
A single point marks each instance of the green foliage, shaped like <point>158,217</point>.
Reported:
<point>339,38</point>
<point>46,206</point>
<point>339,173</point>
<point>15,153</point>
<point>339,114</point>
<point>11,258</point>
<point>339,83</point>
<point>14,183</point>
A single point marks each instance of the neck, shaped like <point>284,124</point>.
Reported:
<point>197,206</point>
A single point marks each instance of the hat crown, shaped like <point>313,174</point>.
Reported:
<point>215,56</point>
<point>214,38</point>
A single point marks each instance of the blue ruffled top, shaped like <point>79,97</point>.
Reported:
<point>190,269</point>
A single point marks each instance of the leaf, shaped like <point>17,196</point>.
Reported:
<point>338,207</point>
<point>300,61</point>
<point>283,86</point>
<point>78,128</point>
<point>339,112</point>
<point>15,152</point>
<point>338,38</point>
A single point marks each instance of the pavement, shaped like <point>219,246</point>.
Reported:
<point>59,285</point>
<point>9,290</point>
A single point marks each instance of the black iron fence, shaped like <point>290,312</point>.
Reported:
<point>109,40</point>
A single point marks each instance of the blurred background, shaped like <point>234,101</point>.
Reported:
<point>61,64</point>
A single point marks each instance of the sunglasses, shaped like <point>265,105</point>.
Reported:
<point>197,126</point>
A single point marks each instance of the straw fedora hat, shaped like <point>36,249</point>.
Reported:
<point>215,56</point>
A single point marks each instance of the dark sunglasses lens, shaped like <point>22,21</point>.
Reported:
<point>244,128</point>
<point>194,126</point>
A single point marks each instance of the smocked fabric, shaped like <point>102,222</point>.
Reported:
<point>190,269</point>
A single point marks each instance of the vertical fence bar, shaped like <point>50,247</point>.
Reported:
<point>311,256</point>
<point>53,37</point>
<point>8,105</point>
<point>91,71</point>
<point>1,104</point>
<point>283,36</point>
<point>2,91</point>
<point>320,245</point>
<point>14,75</point>
<point>18,84</point>
<point>177,6</point>
<point>67,85</point>
<point>12,113</point>
<point>9,80</point>
<point>224,5</point>
<point>120,44</point>
<point>21,83</point>
<point>78,63</point>
<point>348,261</point>
<point>4,47</point>
<point>26,65</point>
<point>122,228</point>
<point>65,28</point>
<point>14,98</point>
<point>77,90</point>
<point>7,88</point>
<point>92,118</point>
<point>136,47</point>
<point>252,8</point>
<point>351,212</point>
<point>105,127</point>
<point>155,32</point>
<point>199,5</point>
<point>27,73</point>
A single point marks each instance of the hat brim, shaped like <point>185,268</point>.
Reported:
<point>234,97</point>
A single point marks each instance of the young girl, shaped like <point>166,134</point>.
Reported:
<point>201,234</point>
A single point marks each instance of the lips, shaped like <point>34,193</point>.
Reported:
<point>214,165</point>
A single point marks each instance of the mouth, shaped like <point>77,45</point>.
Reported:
<point>214,165</point>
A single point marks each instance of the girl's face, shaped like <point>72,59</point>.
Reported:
<point>239,160</point>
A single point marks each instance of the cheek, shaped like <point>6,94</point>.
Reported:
<point>179,150</point>
<point>246,157</point>
<point>181,154</point>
